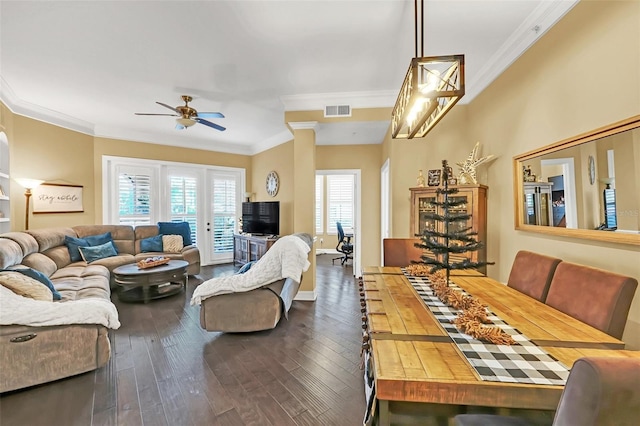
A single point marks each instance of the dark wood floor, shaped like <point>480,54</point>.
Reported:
<point>166,370</point>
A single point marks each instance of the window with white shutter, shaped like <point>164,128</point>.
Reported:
<point>184,201</point>
<point>340,202</point>
<point>224,198</point>
<point>319,204</point>
<point>134,196</point>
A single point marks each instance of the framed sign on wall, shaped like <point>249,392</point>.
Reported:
<point>57,198</point>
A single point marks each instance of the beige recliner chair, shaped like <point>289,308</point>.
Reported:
<point>254,310</point>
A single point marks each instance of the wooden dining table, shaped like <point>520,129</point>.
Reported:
<point>415,361</point>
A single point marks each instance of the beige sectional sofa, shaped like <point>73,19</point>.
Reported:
<point>31,355</point>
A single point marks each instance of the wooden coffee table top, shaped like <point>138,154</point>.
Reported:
<point>132,268</point>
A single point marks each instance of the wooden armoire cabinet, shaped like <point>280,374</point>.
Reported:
<point>476,204</point>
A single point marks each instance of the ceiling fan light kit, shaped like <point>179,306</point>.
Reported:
<point>185,121</point>
<point>432,86</point>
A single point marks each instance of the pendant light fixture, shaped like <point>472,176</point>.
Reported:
<point>432,86</point>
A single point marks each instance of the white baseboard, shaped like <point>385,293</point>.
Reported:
<point>327,251</point>
<point>306,296</point>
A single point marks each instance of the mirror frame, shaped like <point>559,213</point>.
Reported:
<point>590,234</point>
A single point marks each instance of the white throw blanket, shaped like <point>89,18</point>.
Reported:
<point>287,258</point>
<point>15,309</point>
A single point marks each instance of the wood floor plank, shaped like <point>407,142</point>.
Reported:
<point>166,370</point>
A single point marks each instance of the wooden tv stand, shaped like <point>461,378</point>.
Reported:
<point>247,248</point>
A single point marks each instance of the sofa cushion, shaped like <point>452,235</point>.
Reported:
<point>172,243</point>
<point>27,242</point>
<point>151,244</point>
<point>41,262</point>
<point>47,238</point>
<point>23,285</point>
<point>93,253</point>
<point>10,253</point>
<point>39,276</point>
<point>176,228</point>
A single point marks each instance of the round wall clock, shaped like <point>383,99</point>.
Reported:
<point>592,170</point>
<point>273,183</point>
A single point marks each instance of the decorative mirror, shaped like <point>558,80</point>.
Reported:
<point>587,186</point>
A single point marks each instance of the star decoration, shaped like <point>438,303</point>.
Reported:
<point>468,166</point>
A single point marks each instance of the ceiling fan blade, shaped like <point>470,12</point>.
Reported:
<point>148,113</point>
<point>210,124</point>
<point>167,106</point>
<point>210,114</point>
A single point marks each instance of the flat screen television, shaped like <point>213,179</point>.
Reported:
<point>261,217</point>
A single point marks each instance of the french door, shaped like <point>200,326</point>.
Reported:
<point>224,208</point>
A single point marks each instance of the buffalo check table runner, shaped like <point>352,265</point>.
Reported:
<point>523,362</point>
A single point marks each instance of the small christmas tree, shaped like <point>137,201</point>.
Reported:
<point>453,236</point>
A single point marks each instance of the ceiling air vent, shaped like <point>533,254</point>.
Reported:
<point>337,111</point>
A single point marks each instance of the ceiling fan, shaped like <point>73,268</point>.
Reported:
<point>188,116</point>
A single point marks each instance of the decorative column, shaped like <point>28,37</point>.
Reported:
<point>304,195</point>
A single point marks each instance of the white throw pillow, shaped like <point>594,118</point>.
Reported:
<point>25,286</point>
<point>172,243</point>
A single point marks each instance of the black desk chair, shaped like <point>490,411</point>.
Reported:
<point>344,246</point>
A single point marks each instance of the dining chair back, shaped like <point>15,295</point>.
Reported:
<point>599,298</point>
<point>531,274</point>
<point>600,391</point>
<point>400,251</point>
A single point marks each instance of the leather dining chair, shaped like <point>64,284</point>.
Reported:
<point>531,274</point>
<point>596,297</point>
<point>344,246</point>
<point>400,251</point>
<point>600,391</point>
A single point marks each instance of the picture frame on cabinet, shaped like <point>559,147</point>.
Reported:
<point>433,177</point>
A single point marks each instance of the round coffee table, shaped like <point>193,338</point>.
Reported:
<point>141,285</point>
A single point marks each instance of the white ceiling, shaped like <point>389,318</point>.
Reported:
<point>89,65</point>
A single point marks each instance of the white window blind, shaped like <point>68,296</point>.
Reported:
<point>319,204</point>
<point>134,198</point>
<point>184,201</point>
<point>340,202</point>
<point>224,212</point>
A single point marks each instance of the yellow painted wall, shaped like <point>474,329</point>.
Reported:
<point>366,158</point>
<point>280,159</point>
<point>555,90</point>
<point>43,151</point>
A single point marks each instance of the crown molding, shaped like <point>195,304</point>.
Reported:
<point>543,17</point>
<point>304,125</point>
<point>27,109</point>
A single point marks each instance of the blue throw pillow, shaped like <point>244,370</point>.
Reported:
<point>151,244</point>
<point>73,244</point>
<point>96,240</point>
<point>93,253</point>
<point>176,228</point>
<point>38,276</point>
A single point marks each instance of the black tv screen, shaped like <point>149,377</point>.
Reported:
<point>261,217</point>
